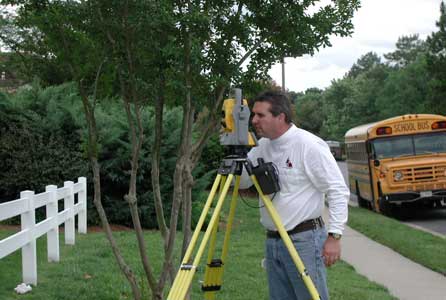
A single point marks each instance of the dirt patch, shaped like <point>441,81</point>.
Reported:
<point>16,228</point>
<point>113,227</point>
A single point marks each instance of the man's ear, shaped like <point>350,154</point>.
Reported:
<point>282,117</point>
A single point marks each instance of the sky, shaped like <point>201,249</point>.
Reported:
<point>377,26</point>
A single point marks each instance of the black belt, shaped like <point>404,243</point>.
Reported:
<point>304,226</point>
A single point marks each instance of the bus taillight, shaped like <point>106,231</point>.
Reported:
<point>439,125</point>
<point>383,130</point>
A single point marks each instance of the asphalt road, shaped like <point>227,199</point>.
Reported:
<point>433,220</point>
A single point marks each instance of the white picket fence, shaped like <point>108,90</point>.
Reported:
<point>30,231</point>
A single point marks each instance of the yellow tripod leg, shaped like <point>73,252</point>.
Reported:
<point>210,282</point>
<point>287,241</point>
<point>215,267</point>
<point>185,274</point>
<point>202,218</point>
<point>214,218</point>
<point>184,277</point>
<point>230,218</point>
<point>210,278</point>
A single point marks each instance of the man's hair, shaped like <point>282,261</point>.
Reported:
<point>279,103</point>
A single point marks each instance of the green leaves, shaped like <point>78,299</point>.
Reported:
<point>408,50</point>
<point>436,64</point>
<point>147,42</point>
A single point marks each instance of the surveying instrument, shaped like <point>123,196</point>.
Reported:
<point>237,137</point>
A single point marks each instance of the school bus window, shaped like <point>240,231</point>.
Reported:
<point>357,151</point>
<point>430,143</point>
<point>393,147</point>
<point>349,150</point>
<point>409,145</point>
<point>403,146</point>
<point>363,152</point>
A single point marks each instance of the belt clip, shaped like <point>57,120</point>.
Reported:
<point>317,222</point>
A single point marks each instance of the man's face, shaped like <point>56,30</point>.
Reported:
<point>265,124</point>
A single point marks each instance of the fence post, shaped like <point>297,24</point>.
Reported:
<point>69,204</point>
<point>29,257</point>
<point>53,233</point>
<point>82,198</point>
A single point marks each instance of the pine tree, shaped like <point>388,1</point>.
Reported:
<point>436,64</point>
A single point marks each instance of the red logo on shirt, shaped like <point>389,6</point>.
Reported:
<point>288,163</point>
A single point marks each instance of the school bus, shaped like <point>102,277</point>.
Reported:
<point>398,161</point>
<point>335,149</point>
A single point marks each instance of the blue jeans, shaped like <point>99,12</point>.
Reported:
<point>284,280</point>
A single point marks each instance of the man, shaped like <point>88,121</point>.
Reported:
<point>308,174</point>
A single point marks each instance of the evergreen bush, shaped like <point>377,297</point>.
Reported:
<point>43,140</point>
<point>38,146</point>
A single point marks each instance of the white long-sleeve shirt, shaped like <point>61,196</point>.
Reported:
<point>307,172</point>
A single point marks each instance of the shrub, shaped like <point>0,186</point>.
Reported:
<point>44,140</point>
<point>34,152</point>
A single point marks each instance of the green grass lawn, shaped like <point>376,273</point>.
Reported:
<point>419,246</point>
<point>88,269</point>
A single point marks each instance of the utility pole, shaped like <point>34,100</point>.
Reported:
<point>283,74</point>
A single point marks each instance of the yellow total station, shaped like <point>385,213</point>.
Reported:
<point>235,122</point>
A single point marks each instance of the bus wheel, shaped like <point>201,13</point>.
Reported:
<point>361,201</point>
<point>402,212</point>
<point>385,207</point>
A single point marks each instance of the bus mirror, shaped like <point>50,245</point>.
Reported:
<point>376,162</point>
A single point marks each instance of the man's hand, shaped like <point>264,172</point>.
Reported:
<point>331,251</point>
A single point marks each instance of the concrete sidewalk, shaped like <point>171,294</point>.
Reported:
<point>405,279</point>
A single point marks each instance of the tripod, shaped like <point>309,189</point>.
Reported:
<point>231,167</point>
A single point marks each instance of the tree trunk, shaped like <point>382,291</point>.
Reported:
<point>176,204</point>
<point>92,154</point>
<point>137,136</point>
<point>187,206</point>
<point>156,150</point>
<point>123,266</point>
<point>178,180</point>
